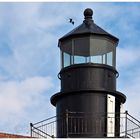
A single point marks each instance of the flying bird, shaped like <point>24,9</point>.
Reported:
<point>71,21</point>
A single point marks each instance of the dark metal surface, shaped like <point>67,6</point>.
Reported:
<point>88,76</point>
<point>88,27</point>
<point>83,103</point>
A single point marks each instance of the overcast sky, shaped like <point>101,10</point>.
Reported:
<point>30,58</point>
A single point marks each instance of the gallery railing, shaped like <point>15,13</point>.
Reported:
<point>44,129</point>
<point>80,123</point>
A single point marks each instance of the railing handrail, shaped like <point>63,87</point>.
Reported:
<point>133,122</point>
<point>130,129</point>
<point>45,124</point>
<point>71,112</point>
<point>133,118</point>
<point>131,136</point>
<point>135,132</point>
<point>44,120</point>
<point>125,129</point>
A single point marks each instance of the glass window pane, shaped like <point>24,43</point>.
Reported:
<point>66,59</point>
<point>109,58</point>
<point>79,59</point>
<point>96,59</point>
<point>103,58</point>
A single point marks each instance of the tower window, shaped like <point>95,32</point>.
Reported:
<point>96,59</point>
<point>79,59</point>
<point>66,59</point>
<point>109,58</point>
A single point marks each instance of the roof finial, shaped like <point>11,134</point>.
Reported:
<point>88,17</point>
<point>88,13</point>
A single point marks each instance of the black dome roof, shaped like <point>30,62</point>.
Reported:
<point>88,27</point>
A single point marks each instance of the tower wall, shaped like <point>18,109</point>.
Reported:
<point>84,89</point>
<point>88,115</point>
<point>88,77</point>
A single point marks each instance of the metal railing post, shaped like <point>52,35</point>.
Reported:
<point>67,127</point>
<point>126,112</point>
<point>31,125</point>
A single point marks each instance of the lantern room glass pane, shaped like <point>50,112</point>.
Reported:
<point>66,59</point>
<point>104,58</point>
<point>96,59</point>
<point>102,50</point>
<point>109,58</point>
<point>93,49</point>
<point>79,59</point>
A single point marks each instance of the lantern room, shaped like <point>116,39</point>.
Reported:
<point>88,43</point>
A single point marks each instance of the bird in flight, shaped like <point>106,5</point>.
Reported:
<point>71,21</point>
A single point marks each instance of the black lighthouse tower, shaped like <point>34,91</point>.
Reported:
<point>88,104</point>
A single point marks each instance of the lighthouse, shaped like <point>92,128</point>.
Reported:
<point>88,103</point>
